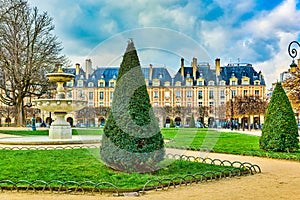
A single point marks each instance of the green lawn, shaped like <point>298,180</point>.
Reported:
<point>195,139</point>
<point>222,142</point>
<point>82,165</point>
<point>77,131</point>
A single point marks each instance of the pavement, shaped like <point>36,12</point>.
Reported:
<point>256,132</point>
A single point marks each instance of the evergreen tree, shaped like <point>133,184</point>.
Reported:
<point>132,140</point>
<point>280,129</point>
<point>172,125</point>
<point>192,122</point>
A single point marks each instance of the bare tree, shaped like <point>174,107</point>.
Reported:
<point>245,106</point>
<point>292,88</point>
<point>28,50</point>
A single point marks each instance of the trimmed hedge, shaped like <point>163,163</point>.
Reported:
<point>280,131</point>
<point>132,140</point>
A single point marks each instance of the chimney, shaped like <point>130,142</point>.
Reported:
<point>88,67</point>
<point>77,68</point>
<point>194,65</point>
<point>150,72</point>
<point>218,67</point>
<point>182,68</point>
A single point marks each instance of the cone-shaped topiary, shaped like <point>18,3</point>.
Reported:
<point>280,129</point>
<point>132,140</point>
<point>192,122</point>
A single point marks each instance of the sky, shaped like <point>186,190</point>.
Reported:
<point>252,31</point>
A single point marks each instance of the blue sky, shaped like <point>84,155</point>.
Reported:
<point>252,31</point>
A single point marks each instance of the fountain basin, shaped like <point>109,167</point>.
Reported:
<point>59,105</point>
<point>60,77</point>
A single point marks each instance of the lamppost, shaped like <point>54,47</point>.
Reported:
<point>293,66</point>
<point>293,54</point>
<point>231,108</point>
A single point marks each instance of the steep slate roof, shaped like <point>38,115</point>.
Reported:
<point>239,72</point>
<point>108,73</point>
<point>202,71</point>
<point>160,73</point>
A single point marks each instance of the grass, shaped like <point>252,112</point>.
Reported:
<point>82,165</point>
<point>193,138</point>
<point>46,132</point>
<point>221,142</point>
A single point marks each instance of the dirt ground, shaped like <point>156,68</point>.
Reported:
<point>280,179</point>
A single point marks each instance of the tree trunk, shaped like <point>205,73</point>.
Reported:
<point>19,113</point>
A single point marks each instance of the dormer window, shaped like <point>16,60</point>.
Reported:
<point>188,75</point>
<point>160,76</point>
<point>211,83</point>
<point>167,83</point>
<point>189,82</point>
<point>69,84</point>
<point>114,76</point>
<point>90,84</point>
<point>222,82</point>
<point>156,82</point>
<point>200,83</point>
<point>245,81</point>
<point>112,84</point>
<point>80,83</point>
<point>257,82</point>
<point>102,76</point>
<point>101,83</point>
<point>178,83</point>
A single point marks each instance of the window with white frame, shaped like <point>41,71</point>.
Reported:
<point>189,93</point>
<point>256,92</point>
<point>91,95</point>
<point>167,94</point>
<point>211,94</point>
<point>178,95</point>
<point>222,94</point>
<point>101,95</point>
<point>200,95</point>
<point>80,83</point>
<point>155,94</point>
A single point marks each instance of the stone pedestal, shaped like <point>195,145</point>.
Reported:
<point>60,129</point>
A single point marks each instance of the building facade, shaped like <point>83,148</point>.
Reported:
<point>193,86</point>
<point>176,97</point>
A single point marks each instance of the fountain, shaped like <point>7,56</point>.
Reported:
<point>60,132</point>
<point>60,129</point>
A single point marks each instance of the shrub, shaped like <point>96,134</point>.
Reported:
<point>280,129</point>
<point>132,140</point>
<point>172,125</point>
<point>192,122</point>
